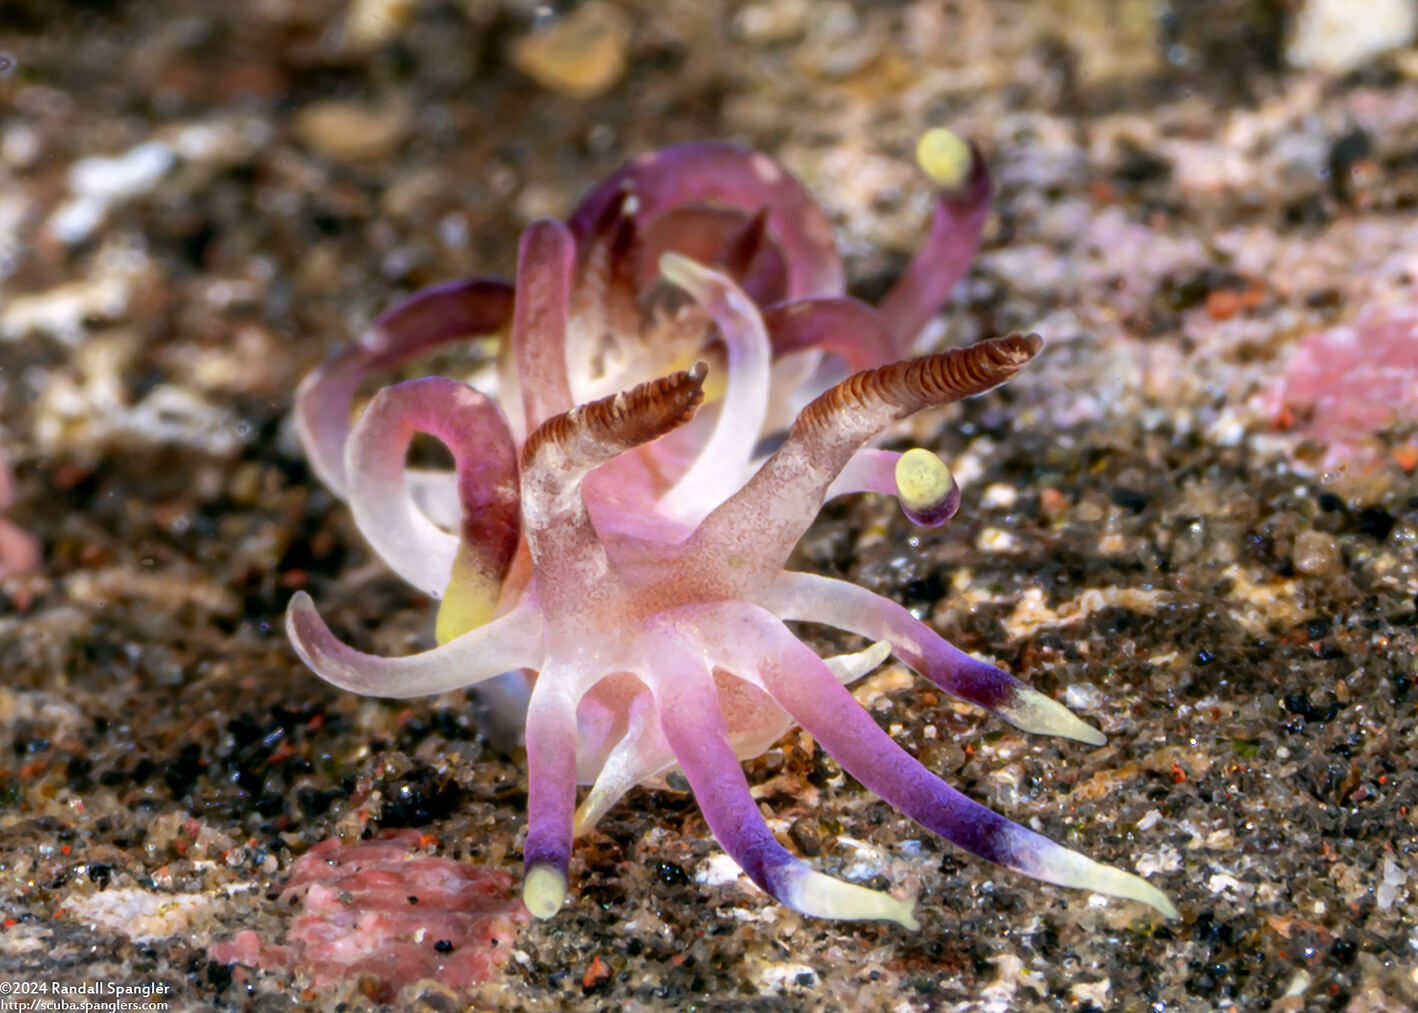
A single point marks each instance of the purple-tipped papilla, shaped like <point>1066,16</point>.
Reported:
<point>812,598</point>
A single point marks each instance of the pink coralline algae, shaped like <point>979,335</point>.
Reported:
<point>1345,384</point>
<point>19,553</point>
<point>620,533</point>
<point>383,909</point>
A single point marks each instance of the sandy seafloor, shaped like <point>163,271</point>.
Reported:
<point>1229,595</point>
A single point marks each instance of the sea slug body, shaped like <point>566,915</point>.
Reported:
<point>621,532</point>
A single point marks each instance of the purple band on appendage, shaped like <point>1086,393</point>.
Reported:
<point>937,515</point>
<point>694,728</point>
<point>551,777</point>
<point>810,598</point>
<point>802,684</point>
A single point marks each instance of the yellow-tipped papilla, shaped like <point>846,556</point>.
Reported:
<point>925,487</point>
<point>543,891</point>
<point>944,157</point>
<point>1034,712</point>
<point>821,896</point>
<point>471,598</point>
<point>1069,868</point>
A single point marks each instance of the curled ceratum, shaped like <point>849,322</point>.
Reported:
<point>617,539</point>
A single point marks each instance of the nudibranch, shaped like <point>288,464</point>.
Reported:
<point>620,517</point>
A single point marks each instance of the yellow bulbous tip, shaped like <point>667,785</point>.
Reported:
<point>944,157</point>
<point>543,891</point>
<point>922,479</point>
<point>470,599</point>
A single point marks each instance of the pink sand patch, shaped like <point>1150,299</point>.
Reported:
<point>19,553</point>
<point>1347,383</point>
<point>385,909</point>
